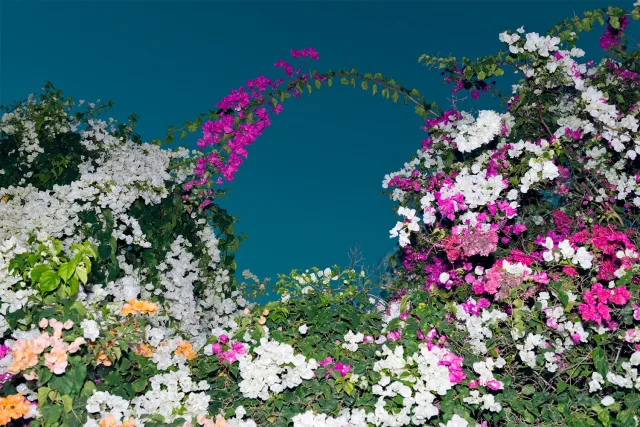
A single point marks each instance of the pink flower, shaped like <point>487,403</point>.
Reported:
<point>223,339</point>
<point>343,368</point>
<point>494,385</point>
<point>632,335</point>
<point>636,312</point>
<point>228,356</point>
<point>620,295</point>
<point>326,361</point>
<point>394,335</point>
<point>216,348</point>
<point>238,348</point>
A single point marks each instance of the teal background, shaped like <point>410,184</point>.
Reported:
<point>310,188</point>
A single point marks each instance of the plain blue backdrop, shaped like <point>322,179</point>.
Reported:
<point>310,188</point>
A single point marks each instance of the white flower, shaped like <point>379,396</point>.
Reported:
<point>583,258</point>
<point>303,329</point>
<point>90,329</point>
<point>456,421</point>
<point>607,401</point>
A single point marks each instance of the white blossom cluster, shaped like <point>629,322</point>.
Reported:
<point>273,367</point>
<point>479,327</point>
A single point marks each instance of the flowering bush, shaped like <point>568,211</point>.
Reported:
<point>515,291</point>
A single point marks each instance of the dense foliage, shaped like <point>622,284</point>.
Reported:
<point>514,299</point>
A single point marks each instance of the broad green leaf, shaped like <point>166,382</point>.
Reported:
<point>600,361</point>
<point>49,281</point>
<point>81,272</point>
<point>66,270</point>
<point>37,271</point>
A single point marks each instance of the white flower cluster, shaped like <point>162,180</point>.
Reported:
<point>579,257</point>
<point>426,375</point>
<point>479,327</point>
<point>352,340</point>
<point>11,300</point>
<point>273,368</point>
<point>404,228</point>
<point>355,418</point>
<point>470,134</point>
<point>168,393</point>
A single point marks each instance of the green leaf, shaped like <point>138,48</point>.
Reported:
<point>81,272</point>
<point>51,414</point>
<point>348,388</point>
<point>67,403</point>
<point>600,361</point>
<point>614,22</point>
<point>42,395</point>
<point>374,89</point>
<point>79,374</point>
<point>66,270</point>
<point>49,281</point>
<point>73,285</point>
<point>395,96</point>
<point>37,271</point>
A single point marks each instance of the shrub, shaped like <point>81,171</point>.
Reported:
<point>514,298</point>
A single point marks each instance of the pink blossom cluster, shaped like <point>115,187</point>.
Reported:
<point>596,303</point>
<point>342,368</point>
<point>228,351</point>
<point>233,129</point>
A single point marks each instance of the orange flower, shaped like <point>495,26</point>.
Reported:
<point>262,320</point>
<point>13,407</point>
<point>136,307</point>
<point>185,349</point>
<point>130,422</point>
<point>103,359</point>
<point>265,312</point>
<point>108,421</point>
<point>143,349</point>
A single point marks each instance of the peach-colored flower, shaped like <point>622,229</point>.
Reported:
<point>262,320</point>
<point>57,328</point>
<point>246,311</point>
<point>143,349</point>
<point>75,345</point>
<point>208,422</point>
<point>13,407</point>
<point>265,312</point>
<point>129,422</point>
<point>68,324</point>
<point>108,421</point>
<point>25,353</point>
<point>185,349</point>
<point>136,307</point>
<point>29,376</point>
<point>56,359</point>
<point>43,323</point>
<point>103,359</point>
